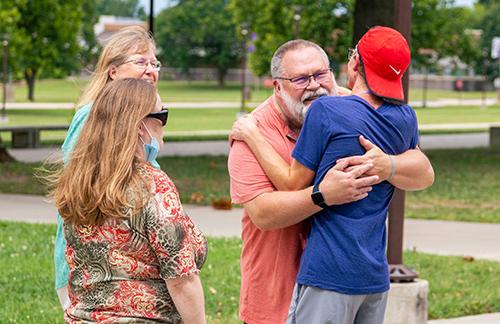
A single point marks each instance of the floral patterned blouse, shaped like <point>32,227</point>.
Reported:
<point>118,269</point>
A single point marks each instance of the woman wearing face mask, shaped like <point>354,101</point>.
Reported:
<point>130,53</point>
<point>134,255</point>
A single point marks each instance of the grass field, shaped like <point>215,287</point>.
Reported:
<point>27,295</point>
<point>466,186</point>
<point>68,90</point>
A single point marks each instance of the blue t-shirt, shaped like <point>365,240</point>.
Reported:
<point>76,126</point>
<point>345,250</point>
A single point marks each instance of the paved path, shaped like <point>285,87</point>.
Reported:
<point>438,237</point>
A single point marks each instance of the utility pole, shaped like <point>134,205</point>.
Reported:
<point>244,33</point>
<point>5,44</point>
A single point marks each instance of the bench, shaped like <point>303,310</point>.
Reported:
<point>29,136</point>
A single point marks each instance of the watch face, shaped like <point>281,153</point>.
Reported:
<point>317,197</point>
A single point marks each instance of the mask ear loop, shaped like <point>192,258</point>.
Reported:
<point>147,130</point>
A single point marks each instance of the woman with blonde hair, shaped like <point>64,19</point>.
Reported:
<point>130,53</point>
<point>134,255</point>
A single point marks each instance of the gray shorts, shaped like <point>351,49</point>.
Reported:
<point>314,305</point>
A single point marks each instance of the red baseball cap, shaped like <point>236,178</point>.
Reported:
<point>385,55</point>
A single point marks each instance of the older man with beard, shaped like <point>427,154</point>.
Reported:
<point>273,231</point>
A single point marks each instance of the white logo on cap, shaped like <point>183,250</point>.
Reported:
<point>395,71</point>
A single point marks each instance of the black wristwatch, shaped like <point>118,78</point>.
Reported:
<point>317,197</point>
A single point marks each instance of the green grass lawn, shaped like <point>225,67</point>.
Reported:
<point>466,186</point>
<point>68,90</point>
<point>27,295</point>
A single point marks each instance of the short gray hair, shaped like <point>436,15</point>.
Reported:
<point>276,70</point>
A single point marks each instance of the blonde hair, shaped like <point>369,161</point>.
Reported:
<point>101,179</point>
<point>128,40</point>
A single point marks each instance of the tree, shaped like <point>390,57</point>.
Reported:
<point>438,25</point>
<point>89,47</point>
<point>325,22</point>
<point>9,16</point>
<point>489,23</point>
<point>49,30</point>
<point>121,8</point>
<point>195,33</point>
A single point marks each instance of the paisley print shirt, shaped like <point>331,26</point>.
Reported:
<point>118,269</point>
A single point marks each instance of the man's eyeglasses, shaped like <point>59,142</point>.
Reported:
<point>350,53</point>
<point>161,115</point>
<point>302,82</point>
<point>143,63</point>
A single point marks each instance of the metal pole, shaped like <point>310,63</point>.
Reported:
<point>398,272</point>
<point>244,33</point>
<point>426,76</point>
<point>5,43</point>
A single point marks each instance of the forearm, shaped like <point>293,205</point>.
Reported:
<point>279,209</point>
<point>277,169</point>
<point>187,294</point>
<point>413,171</point>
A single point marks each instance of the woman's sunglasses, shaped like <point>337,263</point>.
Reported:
<point>161,115</point>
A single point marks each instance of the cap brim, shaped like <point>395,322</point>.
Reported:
<point>381,87</point>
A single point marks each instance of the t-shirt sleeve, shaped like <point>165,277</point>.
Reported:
<point>247,178</point>
<point>74,130</point>
<point>414,136</point>
<point>168,233</point>
<point>313,138</point>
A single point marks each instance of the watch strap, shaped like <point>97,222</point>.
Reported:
<point>317,197</point>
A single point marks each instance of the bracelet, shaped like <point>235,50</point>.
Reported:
<point>393,167</point>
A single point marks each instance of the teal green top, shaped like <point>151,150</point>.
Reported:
<point>61,266</point>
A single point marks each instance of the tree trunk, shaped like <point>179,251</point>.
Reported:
<point>370,13</point>
<point>29,76</point>
<point>4,155</point>
<point>221,78</point>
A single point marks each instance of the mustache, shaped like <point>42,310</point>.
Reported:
<point>310,94</point>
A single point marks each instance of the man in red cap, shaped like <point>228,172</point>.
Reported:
<point>343,276</point>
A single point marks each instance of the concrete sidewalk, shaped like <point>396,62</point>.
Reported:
<point>480,241</point>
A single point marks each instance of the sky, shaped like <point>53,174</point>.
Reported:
<point>162,4</point>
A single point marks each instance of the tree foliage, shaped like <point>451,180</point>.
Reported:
<point>42,37</point>
<point>444,28</point>
<point>89,46</point>
<point>121,8</point>
<point>489,23</point>
<point>195,33</point>
<point>325,22</point>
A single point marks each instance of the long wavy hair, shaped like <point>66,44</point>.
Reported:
<point>126,41</point>
<point>101,179</point>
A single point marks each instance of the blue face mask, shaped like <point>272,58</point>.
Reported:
<point>150,150</point>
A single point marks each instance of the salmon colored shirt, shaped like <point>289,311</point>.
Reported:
<point>269,259</point>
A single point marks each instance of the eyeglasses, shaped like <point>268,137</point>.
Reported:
<point>161,115</point>
<point>302,82</point>
<point>351,52</point>
<point>143,63</point>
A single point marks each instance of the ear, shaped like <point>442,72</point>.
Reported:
<point>277,86</point>
<point>142,131</point>
<point>112,72</point>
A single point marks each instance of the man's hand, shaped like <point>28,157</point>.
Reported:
<point>340,186</point>
<point>243,128</point>
<point>374,155</point>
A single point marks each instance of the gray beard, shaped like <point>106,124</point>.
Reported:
<point>297,108</point>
